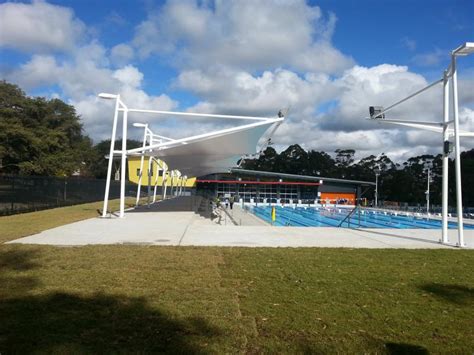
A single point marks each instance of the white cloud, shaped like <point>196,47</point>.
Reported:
<point>82,77</point>
<point>240,92</point>
<point>39,27</point>
<point>245,35</point>
<point>129,76</point>
<point>382,85</point>
<point>40,70</point>
<point>236,57</point>
<point>122,54</point>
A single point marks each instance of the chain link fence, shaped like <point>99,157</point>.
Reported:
<point>32,193</point>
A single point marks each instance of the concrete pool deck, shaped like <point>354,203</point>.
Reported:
<point>181,222</point>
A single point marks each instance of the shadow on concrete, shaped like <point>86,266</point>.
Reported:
<point>33,321</point>
<point>377,232</point>
<point>196,204</point>
<point>458,294</point>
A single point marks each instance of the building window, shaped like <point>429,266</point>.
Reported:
<point>144,172</point>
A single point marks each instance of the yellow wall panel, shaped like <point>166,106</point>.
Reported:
<point>134,171</point>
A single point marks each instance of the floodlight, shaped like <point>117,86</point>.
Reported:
<point>374,112</point>
<point>448,147</point>
<point>106,96</point>
<point>465,49</point>
<point>136,124</point>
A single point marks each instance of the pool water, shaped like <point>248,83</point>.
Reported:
<point>314,217</point>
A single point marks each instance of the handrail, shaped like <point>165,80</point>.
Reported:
<point>349,215</point>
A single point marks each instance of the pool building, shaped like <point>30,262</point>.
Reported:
<point>252,186</point>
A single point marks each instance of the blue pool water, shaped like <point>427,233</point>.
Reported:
<point>313,217</point>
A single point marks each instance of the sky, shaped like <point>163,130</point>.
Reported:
<point>328,61</point>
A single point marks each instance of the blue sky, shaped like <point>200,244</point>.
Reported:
<point>326,59</point>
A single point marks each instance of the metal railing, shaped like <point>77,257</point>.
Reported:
<point>349,215</point>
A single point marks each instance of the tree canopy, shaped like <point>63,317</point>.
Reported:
<point>406,182</point>
<point>39,136</point>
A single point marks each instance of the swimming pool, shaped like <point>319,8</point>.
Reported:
<point>318,217</point>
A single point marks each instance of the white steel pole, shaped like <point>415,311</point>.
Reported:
<point>376,189</point>
<point>111,158</point>
<point>444,234</point>
<point>428,194</point>
<point>172,183</point>
<point>142,159</point>
<point>156,181</point>
<point>457,152</point>
<point>164,183</point>
<point>181,185</point>
<point>124,164</point>
<point>150,167</point>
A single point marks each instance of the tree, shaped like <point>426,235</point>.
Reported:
<point>294,160</point>
<point>97,164</point>
<point>39,136</point>
<point>406,182</point>
<point>320,164</point>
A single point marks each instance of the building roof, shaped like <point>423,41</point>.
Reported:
<point>300,177</point>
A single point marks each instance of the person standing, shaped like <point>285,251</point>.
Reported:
<point>231,202</point>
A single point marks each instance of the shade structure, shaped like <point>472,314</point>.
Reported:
<point>215,151</point>
<point>211,154</point>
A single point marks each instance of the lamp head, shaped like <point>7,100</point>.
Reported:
<point>104,95</point>
<point>465,49</point>
<point>136,124</point>
<point>375,111</point>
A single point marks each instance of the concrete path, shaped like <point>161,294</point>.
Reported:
<point>186,221</point>
<point>243,218</point>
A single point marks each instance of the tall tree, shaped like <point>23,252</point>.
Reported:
<point>97,163</point>
<point>39,136</point>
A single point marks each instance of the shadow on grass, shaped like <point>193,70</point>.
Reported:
<point>98,323</point>
<point>17,260</point>
<point>13,265</point>
<point>458,294</point>
<point>402,348</point>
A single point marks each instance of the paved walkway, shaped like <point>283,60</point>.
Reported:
<point>240,217</point>
<point>186,221</point>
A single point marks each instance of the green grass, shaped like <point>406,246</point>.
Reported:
<point>121,299</point>
<point>21,225</point>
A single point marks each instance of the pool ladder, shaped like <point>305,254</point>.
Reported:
<point>356,208</point>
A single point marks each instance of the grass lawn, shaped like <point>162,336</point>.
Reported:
<point>21,225</point>
<point>104,299</point>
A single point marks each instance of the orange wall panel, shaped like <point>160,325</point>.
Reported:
<point>334,196</point>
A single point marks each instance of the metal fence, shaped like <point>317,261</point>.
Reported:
<point>31,193</point>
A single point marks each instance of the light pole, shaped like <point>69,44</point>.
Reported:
<point>428,192</point>
<point>377,174</point>
<point>464,50</point>
<point>378,113</point>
